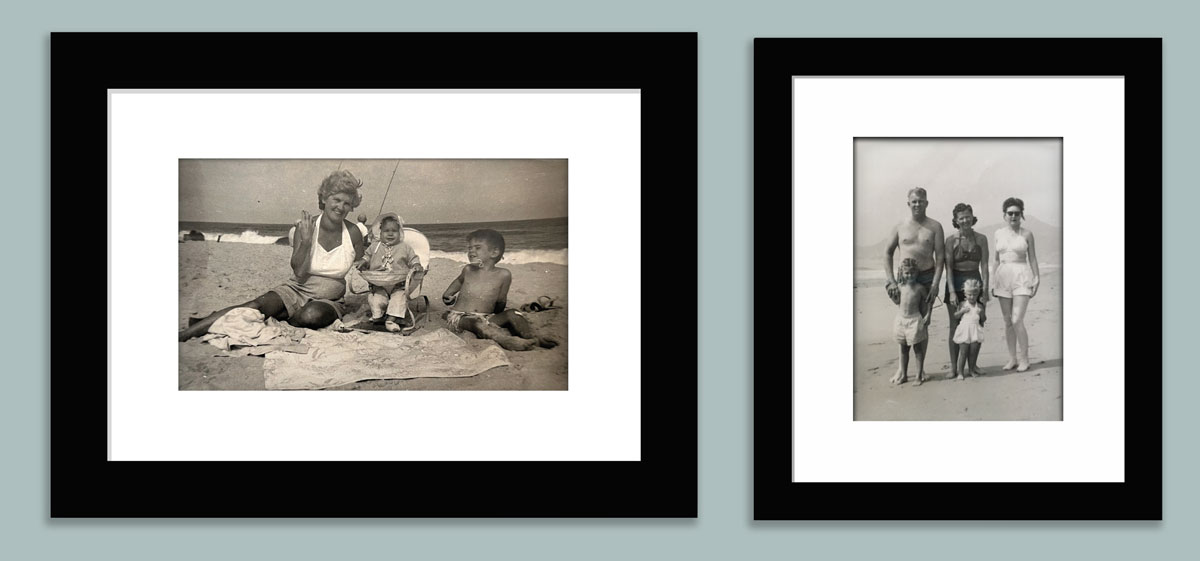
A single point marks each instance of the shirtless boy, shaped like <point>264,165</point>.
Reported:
<point>478,296</point>
<point>911,327</point>
<point>921,239</point>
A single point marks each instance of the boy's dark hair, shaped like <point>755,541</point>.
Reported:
<point>490,237</point>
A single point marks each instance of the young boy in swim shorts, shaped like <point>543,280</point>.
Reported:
<point>478,296</point>
<point>911,327</point>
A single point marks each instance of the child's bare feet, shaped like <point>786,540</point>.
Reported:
<point>899,377</point>
<point>1023,366</point>
<point>1012,363</point>
<point>548,342</point>
<point>975,372</point>
<point>959,377</point>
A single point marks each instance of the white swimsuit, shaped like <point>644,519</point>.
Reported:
<point>336,262</point>
<point>1013,275</point>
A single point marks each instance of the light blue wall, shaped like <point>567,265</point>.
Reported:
<point>724,529</point>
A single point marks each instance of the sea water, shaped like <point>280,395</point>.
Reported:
<point>526,241</point>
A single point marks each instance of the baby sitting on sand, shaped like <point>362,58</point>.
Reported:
<point>478,296</point>
<point>911,325</point>
<point>390,254</point>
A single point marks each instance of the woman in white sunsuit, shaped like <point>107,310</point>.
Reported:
<point>1015,281</point>
<point>326,245</point>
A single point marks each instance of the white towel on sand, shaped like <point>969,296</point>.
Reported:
<point>243,331</point>
<point>335,359</point>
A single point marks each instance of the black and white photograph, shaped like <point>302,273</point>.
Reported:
<point>937,195</point>
<point>958,279</point>
<point>373,274</point>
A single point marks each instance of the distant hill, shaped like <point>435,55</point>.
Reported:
<point>1048,239</point>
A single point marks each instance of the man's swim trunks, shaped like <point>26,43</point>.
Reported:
<point>925,278</point>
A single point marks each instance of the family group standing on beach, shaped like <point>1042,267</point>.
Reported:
<point>925,251</point>
<point>328,245</point>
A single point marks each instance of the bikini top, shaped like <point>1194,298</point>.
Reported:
<point>960,254</point>
<point>334,263</point>
<point>1011,245</point>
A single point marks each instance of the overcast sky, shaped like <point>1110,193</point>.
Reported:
<point>423,191</point>
<point>979,172</point>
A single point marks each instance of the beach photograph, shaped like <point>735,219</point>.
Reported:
<point>958,279</point>
<point>373,274</point>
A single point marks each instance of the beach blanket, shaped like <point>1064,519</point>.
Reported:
<point>335,359</point>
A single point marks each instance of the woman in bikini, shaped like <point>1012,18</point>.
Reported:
<point>1015,281</point>
<point>966,259</point>
<point>326,245</point>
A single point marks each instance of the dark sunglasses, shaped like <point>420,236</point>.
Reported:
<point>1018,213</point>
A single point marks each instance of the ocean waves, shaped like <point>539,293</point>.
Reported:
<point>247,236</point>
<point>513,257</point>
<point>250,236</point>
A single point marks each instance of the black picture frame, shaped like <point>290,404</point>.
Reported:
<point>663,66</point>
<point>776,62</point>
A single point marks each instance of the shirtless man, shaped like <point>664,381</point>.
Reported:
<point>478,296</point>
<point>921,239</point>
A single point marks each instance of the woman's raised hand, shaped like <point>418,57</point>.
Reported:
<point>304,228</point>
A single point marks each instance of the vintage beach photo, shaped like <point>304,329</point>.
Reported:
<point>373,274</point>
<point>958,279</point>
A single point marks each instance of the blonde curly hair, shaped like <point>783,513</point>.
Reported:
<point>972,285</point>
<point>340,181</point>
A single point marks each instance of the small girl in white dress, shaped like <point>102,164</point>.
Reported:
<point>969,334</point>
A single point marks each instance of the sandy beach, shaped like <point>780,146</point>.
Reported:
<point>215,275</point>
<point>999,395</point>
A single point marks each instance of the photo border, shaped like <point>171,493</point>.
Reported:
<point>663,66</point>
<point>776,62</point>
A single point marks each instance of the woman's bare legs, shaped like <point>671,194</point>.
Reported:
<point>955,369</point>
<point>1010,334</point>
<point>1014,331</point>
<point>1019,305</point>
<point>314,315</point>
<point>269,304</point>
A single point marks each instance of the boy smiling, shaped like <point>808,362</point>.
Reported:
<point>478,296</point>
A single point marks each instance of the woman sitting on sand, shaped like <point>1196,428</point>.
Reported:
<point>966,259</point>
<point>325,248</point>
<point>1015,281</point>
